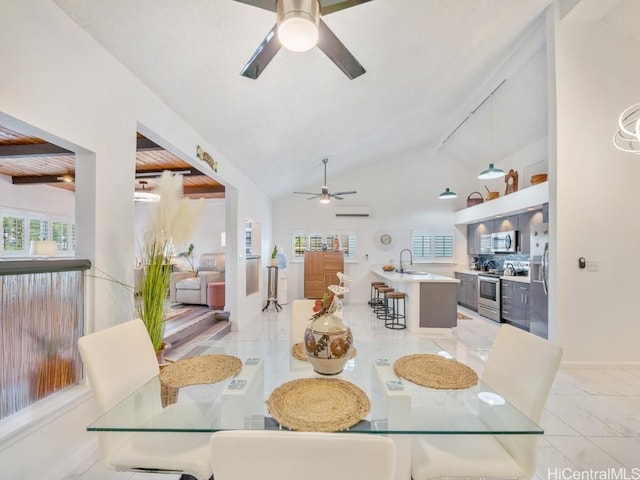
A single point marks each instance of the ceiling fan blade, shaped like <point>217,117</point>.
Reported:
<point>315,196</point>
<point>337,52</point>
<point>330,6</point>
<point>351,192</point>
<point>333,195</point>
<point>266,4</point>
<point>308,193</point>
<point>262,56</point>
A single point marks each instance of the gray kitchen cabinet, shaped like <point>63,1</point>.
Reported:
<point>506,224</point>
<point>467,290</point>
<point>473,242</point>
<point>545,213</point>
<point>475,231</point>
<point>515,303</point>
<point>525,221</point>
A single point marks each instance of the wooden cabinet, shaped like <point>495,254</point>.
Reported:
<point>515,303</point>
<point>320,271</point>
<point>467,295</point>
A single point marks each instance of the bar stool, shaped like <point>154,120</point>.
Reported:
<point>382,308</point>
<point>394,319</point>
<point>373,292</point>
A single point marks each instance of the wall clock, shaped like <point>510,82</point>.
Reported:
<point>383,240</point>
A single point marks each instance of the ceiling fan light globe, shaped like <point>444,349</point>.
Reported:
<point>298,24</point>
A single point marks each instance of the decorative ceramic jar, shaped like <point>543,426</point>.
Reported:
<point>328,339</point>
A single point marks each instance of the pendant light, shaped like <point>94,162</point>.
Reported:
<point>492,171</point>
<point>447,194</point>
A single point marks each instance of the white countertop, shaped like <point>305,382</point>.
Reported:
<point>511,278</point>
<point>414,278</point>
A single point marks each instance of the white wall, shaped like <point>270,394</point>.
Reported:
<point>206,236</point>
<point>402,194</point>
<point>37,198</point>
<point>596,207</point>
<point>58,80</point>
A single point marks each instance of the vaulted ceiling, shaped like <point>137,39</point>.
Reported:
<point>424,61</point>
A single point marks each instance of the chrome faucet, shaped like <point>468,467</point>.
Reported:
<point>410,258</point>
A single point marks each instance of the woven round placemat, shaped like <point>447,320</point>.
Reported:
<point>435,371</point>
<point>195,371</point>
<point>297,351</point>
<point>318,404</point>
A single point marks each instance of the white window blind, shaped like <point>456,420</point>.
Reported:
<point>427,245</point>
<point>13,233</point>
<point>313,241</point>
<point>19,227</point>
<point>38,229</point>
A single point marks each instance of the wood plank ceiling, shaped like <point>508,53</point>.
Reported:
<point>31,160</point>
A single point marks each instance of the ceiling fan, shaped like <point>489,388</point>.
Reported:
<point>324,195</point>
<point>299,28</point>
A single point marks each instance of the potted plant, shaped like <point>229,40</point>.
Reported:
<point>274,256</point>
<point>170,223</point>
<point>189,256</point>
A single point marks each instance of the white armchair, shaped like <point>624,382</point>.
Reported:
<point>191,287</point>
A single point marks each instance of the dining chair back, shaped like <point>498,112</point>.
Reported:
<point>118,360</point>
<point>521,367</point>
<point>287,455</point>
<point>301,312</point>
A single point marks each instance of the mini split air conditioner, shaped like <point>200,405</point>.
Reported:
<point>353,212</point>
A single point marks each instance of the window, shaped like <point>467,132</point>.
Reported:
<point>313,242</point>
<point>432,246</point>
<point>13,233</point>
<point>38,229</point>
<point>60,233</point>
<point>20,227</point>
<point>300,244</point>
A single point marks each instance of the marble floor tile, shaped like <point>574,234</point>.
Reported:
<point>581,453</point>
<point>624,450</point>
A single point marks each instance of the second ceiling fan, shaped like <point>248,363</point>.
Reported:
<point>299,28</point>
<point>325,196</point>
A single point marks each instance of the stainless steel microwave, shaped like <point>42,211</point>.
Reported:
<point>504,242</point>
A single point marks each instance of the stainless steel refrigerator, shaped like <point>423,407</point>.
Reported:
<point>539,289</point>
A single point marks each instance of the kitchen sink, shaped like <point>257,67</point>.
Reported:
<point>413,272</point>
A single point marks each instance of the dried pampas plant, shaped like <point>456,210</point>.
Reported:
<point>170,225</point>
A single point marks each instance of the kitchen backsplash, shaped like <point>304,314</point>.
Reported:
<point>498,259</point>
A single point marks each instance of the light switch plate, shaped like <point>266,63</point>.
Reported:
<point>593,266</point>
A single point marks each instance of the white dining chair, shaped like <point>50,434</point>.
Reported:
<point>286,455</point>
<point>301,312</point>
<point>118,360</point>
<point>521,368</point>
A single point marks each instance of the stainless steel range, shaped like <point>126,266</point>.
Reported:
<point>489,296</point>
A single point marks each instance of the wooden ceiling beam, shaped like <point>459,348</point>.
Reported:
<point>31,179</point>
<point>197,190</point>
<point>143,144</point>
<point>51,150</point>
<point>33,150</point>
<point>185,171</point>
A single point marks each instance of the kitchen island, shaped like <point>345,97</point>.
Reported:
<point>431,299</point>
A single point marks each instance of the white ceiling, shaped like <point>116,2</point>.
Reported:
<point>424,61</point>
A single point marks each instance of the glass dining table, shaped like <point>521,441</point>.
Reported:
<point>398,407</point>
